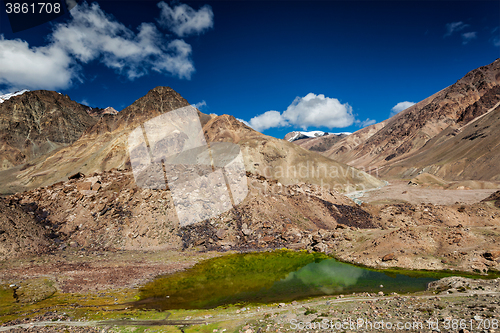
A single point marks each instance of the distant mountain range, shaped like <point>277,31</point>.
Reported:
<point>47,137</point>
<point>298,135</point>
<point>453,134</point>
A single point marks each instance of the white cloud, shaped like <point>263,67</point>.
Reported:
<point>454,27</point>
<point>23,66</point>
<point>267,120</point>
<point>92,35</point>
<point>309,111</point>
<point>200,104</point>
<point>366,122</point>
<point>468,36</point>
<point>244,122</point>
<point>400,107</point>
<point>184,20</point>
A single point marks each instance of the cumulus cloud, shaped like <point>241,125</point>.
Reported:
<point>454,27</point>
<point>309,111</point>
<point>92,35</point>
<point>22,66</point>
<point>468,36</point>
<point>400,107</point>
<point>184,20</point>
<point>268,120</point>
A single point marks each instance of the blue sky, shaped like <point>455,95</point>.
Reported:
<point>301,65</point>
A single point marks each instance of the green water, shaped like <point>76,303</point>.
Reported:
<point>266,277</point>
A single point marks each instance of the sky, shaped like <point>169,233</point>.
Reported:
<point>335,66</point>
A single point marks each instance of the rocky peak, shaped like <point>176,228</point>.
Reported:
<point>110,110</point>
<point>157,101</point>
<point>98,112</point>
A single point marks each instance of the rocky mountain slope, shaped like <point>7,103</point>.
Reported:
<point>21,231</point>
<point>103,146</point>
<point>38,122</point>
<point>108,210</point>
<point>321,143</point>
<point>442,134</point>
<point>286,161</point>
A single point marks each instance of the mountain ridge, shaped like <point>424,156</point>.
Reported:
<point>103,146</point>
<point>385,146</point>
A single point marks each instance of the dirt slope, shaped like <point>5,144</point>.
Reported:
<point>435,135</point>
<point>468,152</point>
<point>107,211</point>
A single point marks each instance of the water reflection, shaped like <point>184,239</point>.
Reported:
<point>329,276</point>
<point>268,277</point>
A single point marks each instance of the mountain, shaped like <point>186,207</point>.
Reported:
<point>97,112</point>
<point>452,134</point>
<point>33,123</point>
<point>5,97</point>
<point>296,135</point>
<point>285,161</point>
<point>103,146</point>
<point>319,143</point>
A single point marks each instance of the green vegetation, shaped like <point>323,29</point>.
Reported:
<point>226,280</point>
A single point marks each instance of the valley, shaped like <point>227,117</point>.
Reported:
<point>81,237</point>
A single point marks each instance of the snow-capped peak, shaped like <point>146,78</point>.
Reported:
<point>5,97</point>
<point>296,135</point>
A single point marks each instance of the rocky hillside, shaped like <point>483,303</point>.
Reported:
<point>108,210</point>
<point>451,134</point>
<point>103,146</point>
<point>21,230</point>
<point>38,122</point>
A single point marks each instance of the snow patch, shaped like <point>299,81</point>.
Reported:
<point>5,97</point>
<point>312,134</point>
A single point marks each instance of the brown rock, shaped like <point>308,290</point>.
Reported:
<point>221,234</point>
<point>390,256</point>
<point>268,239</point>
<point>491,255</point>
<point>77,175</point>
<point>84,186</point>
